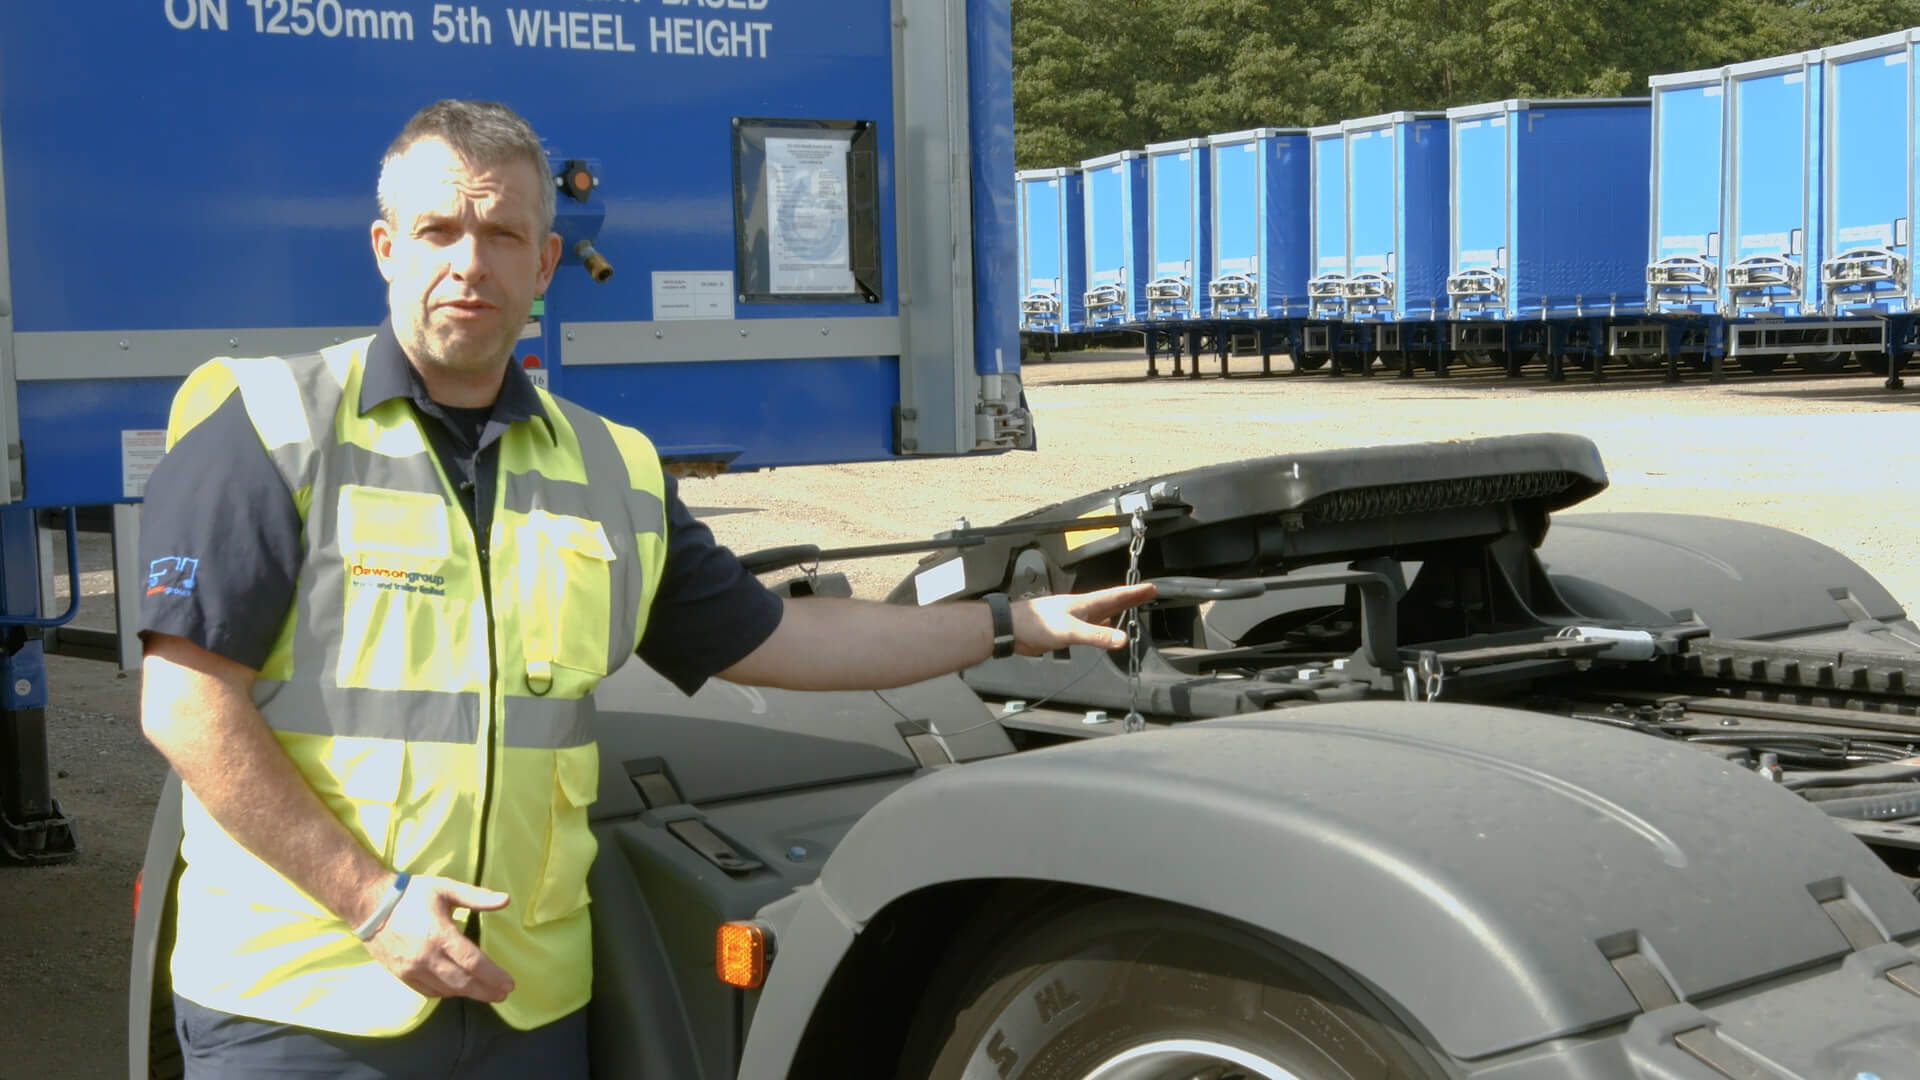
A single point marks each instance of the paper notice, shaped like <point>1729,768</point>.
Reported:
<point>140,451</point>
<point>808,248</point>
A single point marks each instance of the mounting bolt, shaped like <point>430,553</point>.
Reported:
<point>909,414</point>
<point>123,343</point>
<point>908,446</point>
<point>569,335</point>
<point>796,853</point>
<point>233,343</point>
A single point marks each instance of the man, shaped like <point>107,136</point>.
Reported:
<point>384,580</point>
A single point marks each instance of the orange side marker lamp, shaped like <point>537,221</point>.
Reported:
<point>740,955</point>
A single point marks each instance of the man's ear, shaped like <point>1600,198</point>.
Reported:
<point>549,260</point>
<point>381,234</point>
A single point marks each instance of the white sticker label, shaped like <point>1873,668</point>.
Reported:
<point>1712,91</point>
<point>1896,58</point>
<point>1683,245</point>
<point>1870,234</point>
<point>692,294</point>
<point>1175,268</point>
<point>1483,255</point>
<point>1776,241</point>
<point>1333,262</point>
<point>1466,125</point>
<point>1361,135</point>
<point>940,582</point>
<point>140,451</point>
<point>1236,265</point>
<point>1498,121</point>
<point>1795,78</point>
<point>1370,262</point>
<point>538,377</point>
<point>1104,276</point>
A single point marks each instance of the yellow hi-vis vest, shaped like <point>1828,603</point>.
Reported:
<point>447,726</point>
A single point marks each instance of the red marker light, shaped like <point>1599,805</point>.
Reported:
<point>530,362</point>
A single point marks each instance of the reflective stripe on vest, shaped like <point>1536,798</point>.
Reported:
<point>399,700</point>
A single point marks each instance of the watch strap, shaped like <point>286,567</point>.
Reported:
<point>1002,611</point>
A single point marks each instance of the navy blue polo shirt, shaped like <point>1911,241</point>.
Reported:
<point>221,536</point>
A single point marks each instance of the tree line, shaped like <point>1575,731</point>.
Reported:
<point>1094,76</point>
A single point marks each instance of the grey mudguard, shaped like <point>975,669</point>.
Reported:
<point>1466,861</point>
<point>1744,580</point>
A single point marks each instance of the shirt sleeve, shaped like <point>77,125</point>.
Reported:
<point>220,540</point>
<point>710,612</point>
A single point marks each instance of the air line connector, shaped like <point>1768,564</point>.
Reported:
<point>596,263</point>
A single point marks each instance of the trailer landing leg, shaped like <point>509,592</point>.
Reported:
<point>33,831</point>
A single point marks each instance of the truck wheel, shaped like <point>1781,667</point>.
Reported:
<point>1826,363</point>
<point>1133,990</point>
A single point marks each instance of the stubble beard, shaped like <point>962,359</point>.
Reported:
<point>461,353</point>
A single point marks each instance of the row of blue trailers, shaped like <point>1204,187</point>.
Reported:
<point>1758,213</point>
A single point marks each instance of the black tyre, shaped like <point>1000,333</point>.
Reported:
<point>1874,362</point>
<point>1132,989</point>
<point>1309,361</point>
<point>1762,365</point>
<point>1820,363</point>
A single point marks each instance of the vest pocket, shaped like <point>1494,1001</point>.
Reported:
<point>564,597</point>
<point>570,844</point>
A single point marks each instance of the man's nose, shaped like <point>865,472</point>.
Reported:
<point>464,258</point>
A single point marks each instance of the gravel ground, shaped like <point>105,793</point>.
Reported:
<point>1830,457</point>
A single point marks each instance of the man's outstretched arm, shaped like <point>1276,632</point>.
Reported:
<point>831,643</point>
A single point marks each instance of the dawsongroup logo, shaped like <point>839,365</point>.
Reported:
<point>173,575</point>
<point>382,577</point>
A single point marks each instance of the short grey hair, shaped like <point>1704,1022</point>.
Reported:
<point>483,133</point>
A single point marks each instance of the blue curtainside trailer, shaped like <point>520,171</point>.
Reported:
<point>1117,266</point>
<point>1262,205</point>
<point>1397,216</point>
<point>1549,205</point>
<point>1867,176</point>
<point>1684,259</point>
<point>1179,228</point>
<point>1774,122</point>
<point>1053,251</point>
<point>746,197</point>
<point>1328,286</point>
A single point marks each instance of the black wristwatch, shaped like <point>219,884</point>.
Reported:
<point>1002,624</point>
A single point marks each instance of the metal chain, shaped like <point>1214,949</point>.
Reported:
<point>1425,680</point>
<point>1138,543</point>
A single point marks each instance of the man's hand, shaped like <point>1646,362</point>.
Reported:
<point>1044,623</point>
<point>420,944</point>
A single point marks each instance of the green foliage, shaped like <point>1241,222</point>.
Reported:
<point>1094,76</point>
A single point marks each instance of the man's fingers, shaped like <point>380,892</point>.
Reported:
<point>473,897</point>
<point>1106,603</point>
<point>481,978</point>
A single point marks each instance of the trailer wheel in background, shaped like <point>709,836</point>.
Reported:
<point>1874,362</point>
<point>1309,361</point>
<point>1821,363</point>
<point>1761,365</point>
<point>1127,988</point>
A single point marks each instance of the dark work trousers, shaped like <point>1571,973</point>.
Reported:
<point>461,1039</point>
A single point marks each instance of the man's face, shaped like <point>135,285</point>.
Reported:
<point>464,256</point>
